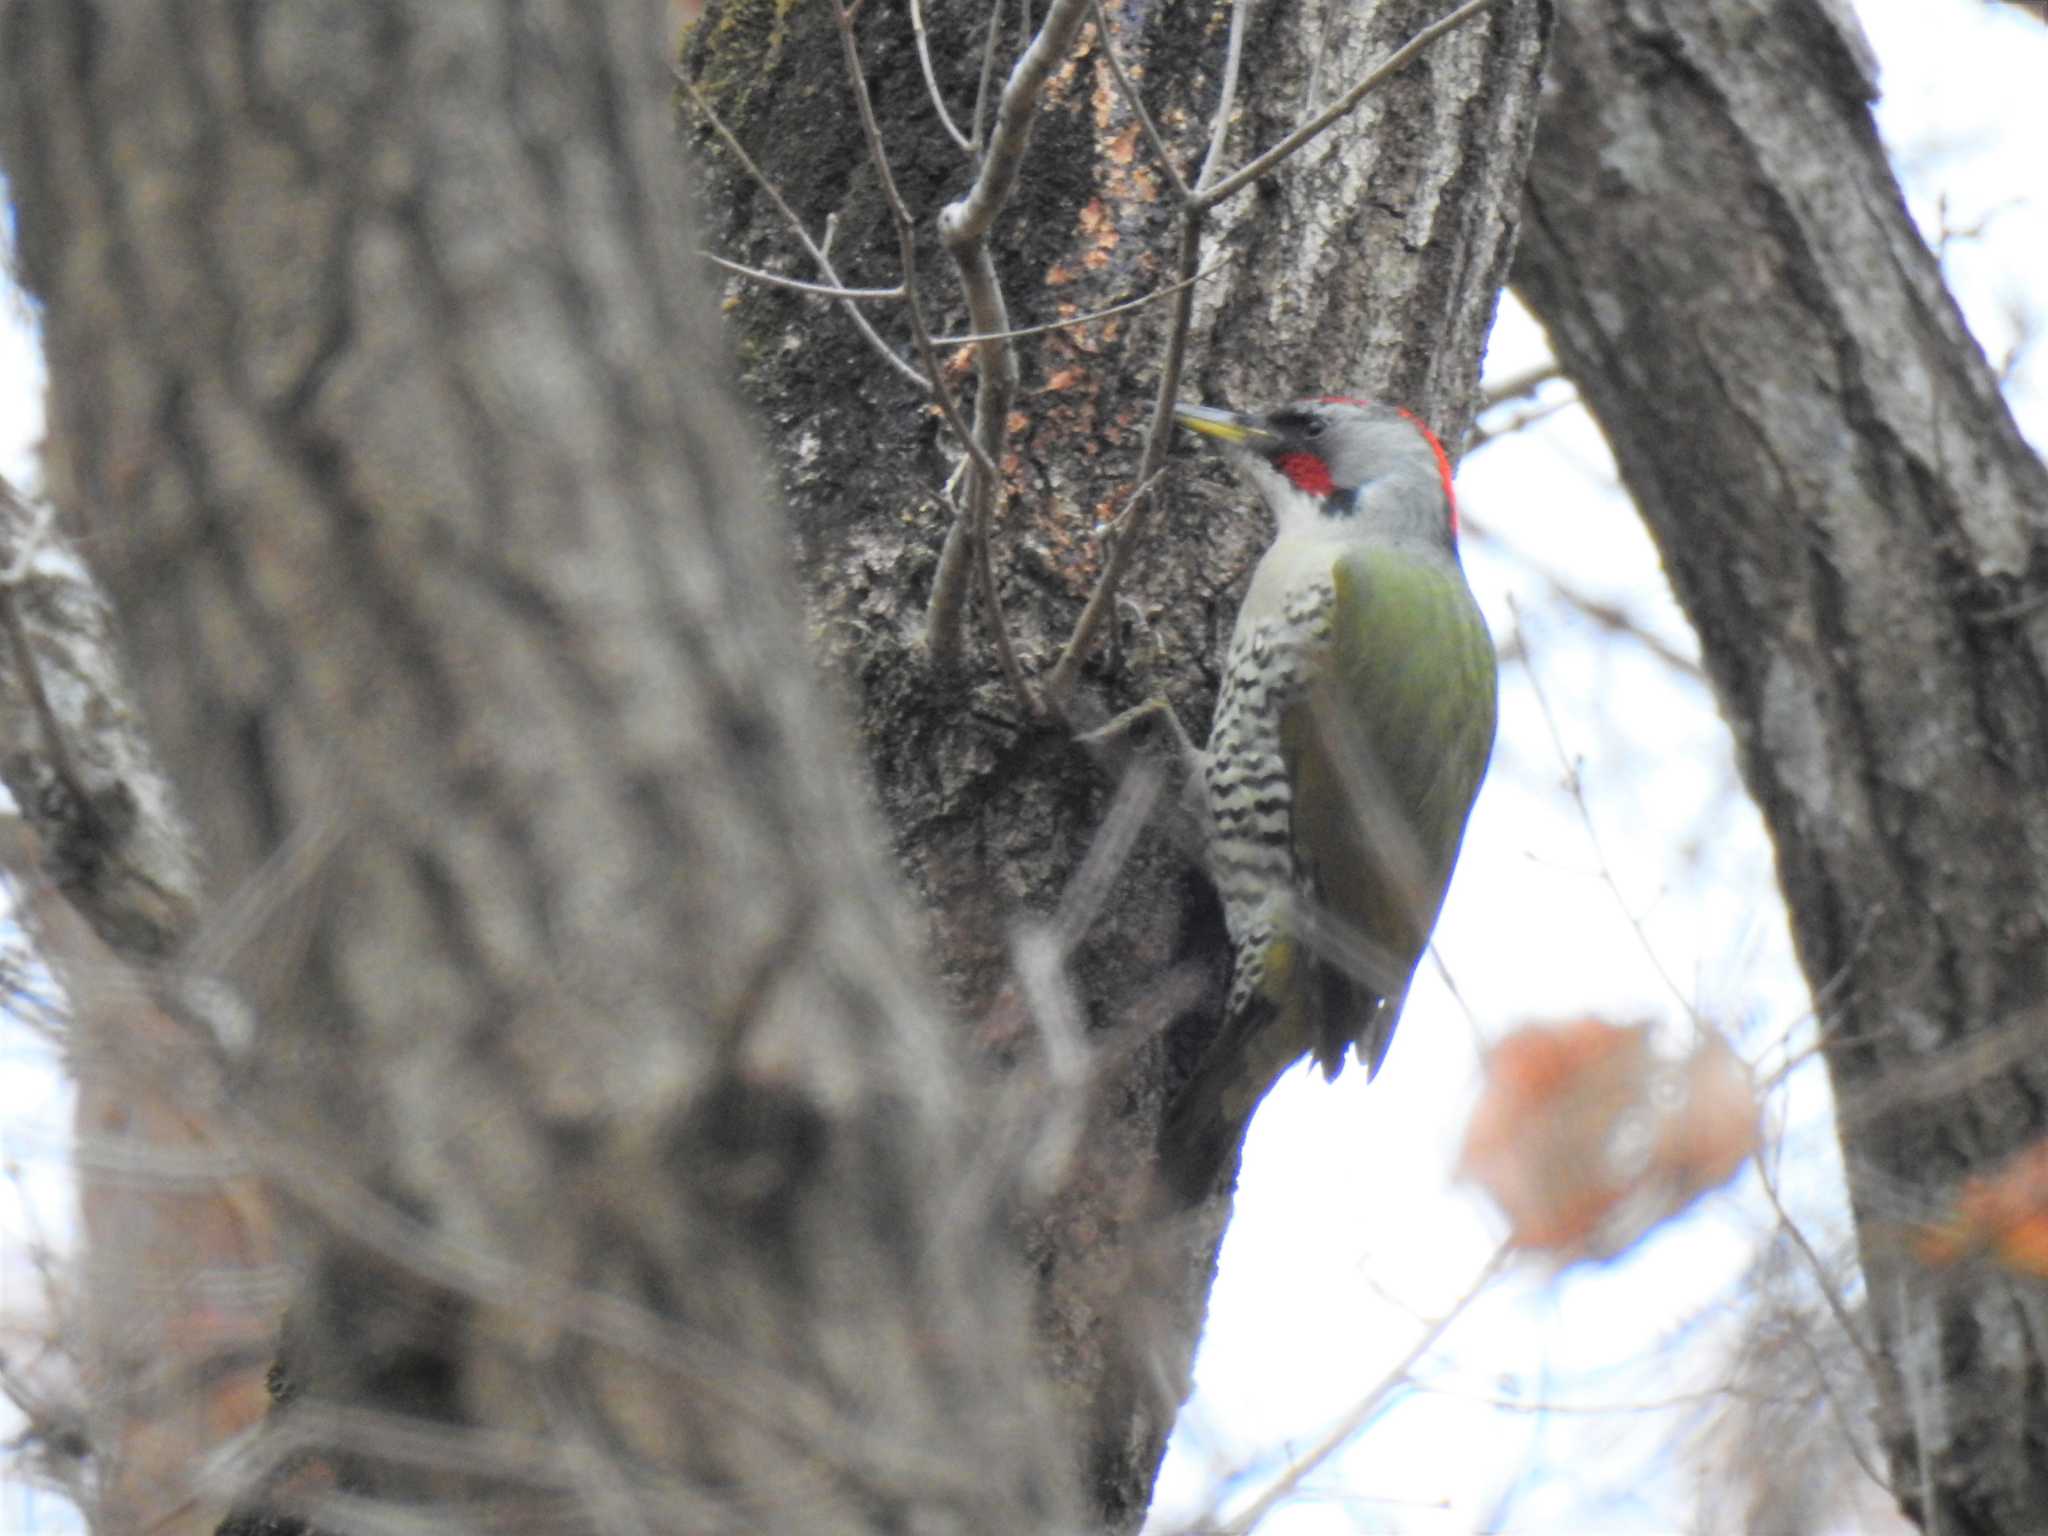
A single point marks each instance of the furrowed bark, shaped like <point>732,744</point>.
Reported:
<point>1369,262</point>
<point>630,1172</point>
<point>1720,253</point>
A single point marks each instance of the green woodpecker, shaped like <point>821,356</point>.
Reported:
<point>1354,726</point>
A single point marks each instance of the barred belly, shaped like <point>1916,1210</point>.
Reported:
<point>1251,854</point>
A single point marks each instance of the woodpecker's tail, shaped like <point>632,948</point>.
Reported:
<point>1203,1133</point>
<point>1351,1015</point>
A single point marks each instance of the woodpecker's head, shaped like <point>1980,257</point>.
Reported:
<point>1340,466</point>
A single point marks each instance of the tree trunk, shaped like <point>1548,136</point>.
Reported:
<point>1721,256</point>
<point>1370,263</point>
<point>572,1010</point>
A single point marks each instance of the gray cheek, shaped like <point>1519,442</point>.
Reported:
<point>1267,480</point>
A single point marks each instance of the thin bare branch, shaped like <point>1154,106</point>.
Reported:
<point>704,1362</point>
<point>1396,61</point>
<point>970,218</point>
<point>964,227</point>
<point>1145,488</point>
<point>1941,1080</point>
<point>1039,952</point>
<point>1521,421</point>
<point>1544,1405</point>
<point>988,69</point>
<point>983,441</point>
<point>811,247</point>
<point>1362,1414</point>
<point>1443,974</point>
<point>997,373</point>
<point>1576,788</point>
<point>1611,617</point>
<point>1226,101</point>
<point>931,79</point>
<point>1092,316</point>
<point>1831,1294</point>
<point>906,240</point>
<point>1525,382</point>
<point>1059,687</point>
<point>1129,89</point>
<point>798,285</point>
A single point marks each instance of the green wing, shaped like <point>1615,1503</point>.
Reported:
<point>1386,754</point>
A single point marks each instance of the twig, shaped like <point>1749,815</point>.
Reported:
<point>1483,437</point>
<point>1166,292</point>
<point>803,236</point>
<point>1111,531</point>
<point>704,1362</point>
<point>1137,795</point>
<point>1592,1410</point>
<point>906,239</point>
<point>970,218</point>
<point>798,285</point>
<point>1039,952</point>
<point>931,79</point>
<point>1238,180</point>
<point>998,376</point>
<point>1575,787</point>
<point>1367,1407</point>
<point>1516,385</point>
<point>964,227</point>
<point>1450,982</point>
<point>1226,100</point>
<point>988,68</point>
<point>1059,687</point>
<point>1823,1002</point>
<point>949,588</point>
<point>1835,1305</point>
<point>1131,100</point>
<point>1610,617</point>
<point>1145,488</point>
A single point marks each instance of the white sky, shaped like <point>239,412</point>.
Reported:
<point>1346,1228</point>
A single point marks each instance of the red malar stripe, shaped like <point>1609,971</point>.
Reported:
<point>1308,472</point>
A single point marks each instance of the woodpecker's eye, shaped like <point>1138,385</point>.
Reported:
<point>1313,427</point>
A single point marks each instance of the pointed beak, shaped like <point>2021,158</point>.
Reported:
<point>1232,427</point>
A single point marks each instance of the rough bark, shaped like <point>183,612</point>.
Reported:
<point>571,1006</point>
<point>1369,263</point>
<point>78,759</point>
<point>170,1322</point>
<point>1719,251</point>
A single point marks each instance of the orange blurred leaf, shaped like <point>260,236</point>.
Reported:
<point>2005,1215</point>
<point>1586,1140</point>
